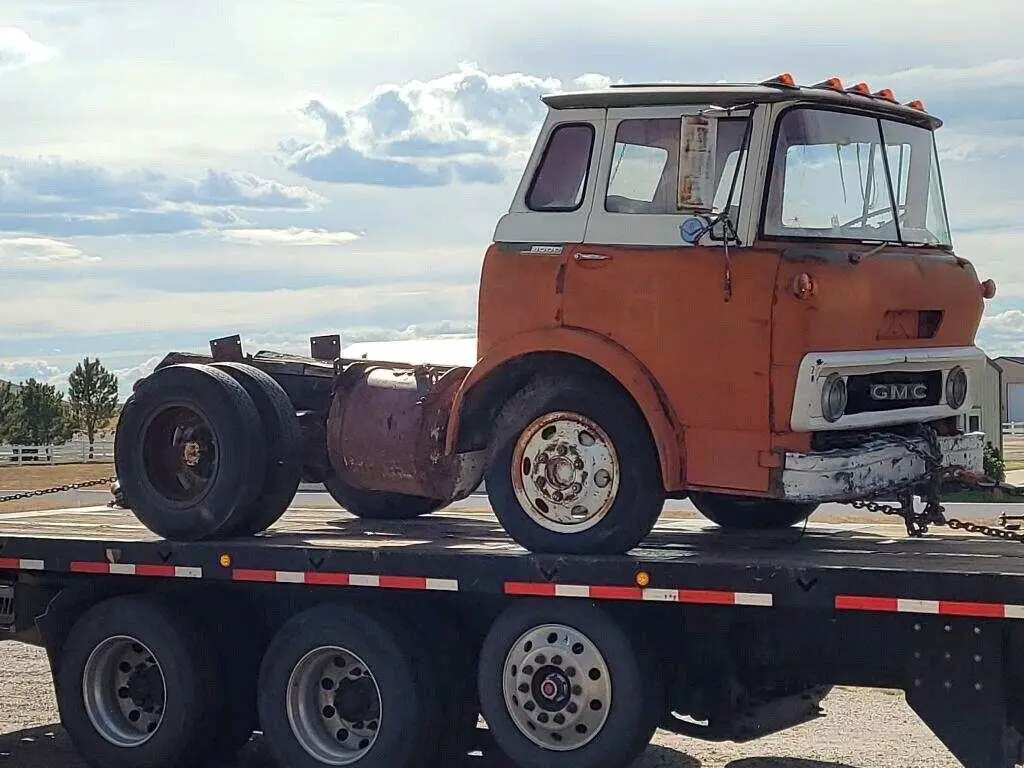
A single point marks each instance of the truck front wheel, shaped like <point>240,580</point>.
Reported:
<point>574,469</point>
<point>750,513</point>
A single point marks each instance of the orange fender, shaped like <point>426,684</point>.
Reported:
<point>608,355</point>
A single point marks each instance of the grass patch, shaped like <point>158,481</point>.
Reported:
<point>28,477</point>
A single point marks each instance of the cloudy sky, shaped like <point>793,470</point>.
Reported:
<point>174,170</point>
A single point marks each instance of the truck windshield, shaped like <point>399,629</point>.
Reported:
<point>838,175</point>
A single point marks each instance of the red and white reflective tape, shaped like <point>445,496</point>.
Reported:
<point>131,569</point>
<point>651,594</point>
<point>22,564</point>
<point>933,607</point>
<point>337,579</point>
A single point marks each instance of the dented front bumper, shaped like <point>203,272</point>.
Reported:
<point>874,467</point>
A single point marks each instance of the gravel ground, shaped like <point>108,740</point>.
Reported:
<point>861,729</point>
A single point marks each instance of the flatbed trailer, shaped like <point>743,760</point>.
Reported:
<point>710,633</point>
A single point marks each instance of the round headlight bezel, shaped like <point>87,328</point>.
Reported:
<point>956,388</point>
<point>834,397</point>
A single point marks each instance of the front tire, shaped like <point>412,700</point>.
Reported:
<point>564,686</point>
<point>574,469</point>
<point>749,513</point>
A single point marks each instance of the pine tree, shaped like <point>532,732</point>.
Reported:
<point>92,394</point>
<point>41,416</point>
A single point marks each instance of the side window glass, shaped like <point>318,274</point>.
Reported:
<point>561,177</point>
<point>642,179</point>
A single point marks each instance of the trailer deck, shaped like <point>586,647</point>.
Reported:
<point>844,567</point>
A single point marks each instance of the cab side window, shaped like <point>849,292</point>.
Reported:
<point>644,167</point>
<point>560,181</point>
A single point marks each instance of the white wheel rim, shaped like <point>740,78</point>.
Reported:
<point>557,687</point>
<point>565,472</point>
<point>124,691</point>
<point>333,705</point>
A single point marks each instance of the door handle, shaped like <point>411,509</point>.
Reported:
<point>591,257</point>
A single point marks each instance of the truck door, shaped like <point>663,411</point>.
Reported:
<point>636,281</point>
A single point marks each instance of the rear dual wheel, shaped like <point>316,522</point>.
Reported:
<point>345,687</point>
<point>207,451</point>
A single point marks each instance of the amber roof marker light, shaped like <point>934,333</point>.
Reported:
<point>988,289</point>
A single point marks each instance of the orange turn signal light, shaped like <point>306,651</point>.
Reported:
<point>861,88</point>
<point>642,578</point>
<point>886,94</point>
<point>988,289</point>
<point>225,561</point>
<point>915,104</point>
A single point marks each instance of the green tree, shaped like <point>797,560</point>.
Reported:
<point>8,408</point>
<point>92,394</point>
<point>41,416</point>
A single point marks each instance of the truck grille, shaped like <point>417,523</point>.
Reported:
<point>892,391</point>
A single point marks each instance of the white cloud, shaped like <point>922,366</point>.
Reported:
<point>289,236</point>
<point>468,126</point>
<point>41,251</point>
<point>18,370</point>
<point>18,49</point>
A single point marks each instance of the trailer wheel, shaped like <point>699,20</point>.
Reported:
<point>136,688</point>
<point>189,451</point>
<point>574,470</point>
<point>563,685</point>
<point>341,688</point>
<point>750,513</point>
<point>284,446</point>
<point>379,505</point>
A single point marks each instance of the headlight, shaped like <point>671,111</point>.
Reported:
<point>956,387</point>
<point>833,397</point>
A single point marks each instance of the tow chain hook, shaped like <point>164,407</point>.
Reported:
<point>934,513</point>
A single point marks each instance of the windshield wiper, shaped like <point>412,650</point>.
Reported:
<point>855,258</point>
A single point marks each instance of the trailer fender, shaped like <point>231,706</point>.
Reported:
<point>585,347</point>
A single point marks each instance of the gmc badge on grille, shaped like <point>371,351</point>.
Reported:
<point>898,391</point>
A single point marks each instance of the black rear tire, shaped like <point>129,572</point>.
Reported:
<point>406,733</point>
<point>283,436</point>
<point>192,706</point>
<point>749,513</point>
<point>589,407</point>
<point>379,505</point>
<point>189,451</point>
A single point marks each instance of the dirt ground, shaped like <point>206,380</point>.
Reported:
<point>32,478</point>
<point>861,729</point>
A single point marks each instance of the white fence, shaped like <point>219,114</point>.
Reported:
<point>74,452</point>
<point>1013,429</point>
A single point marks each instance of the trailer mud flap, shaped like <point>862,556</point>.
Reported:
<point>955,683</point>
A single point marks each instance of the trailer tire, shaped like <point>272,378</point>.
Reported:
<point>222,422</point>
<point>589,429</point>
<point>399,715</point>
<point>562,684</point>
<point>379,505</point>
<point>283,436</point>
<point>749,513</point>
<point>183,734</point>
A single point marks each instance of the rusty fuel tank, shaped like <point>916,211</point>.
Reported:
<point>386,430</point>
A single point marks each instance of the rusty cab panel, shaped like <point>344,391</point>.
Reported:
<point>693,321</point>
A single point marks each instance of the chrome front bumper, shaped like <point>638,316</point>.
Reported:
<point>878,466</point>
